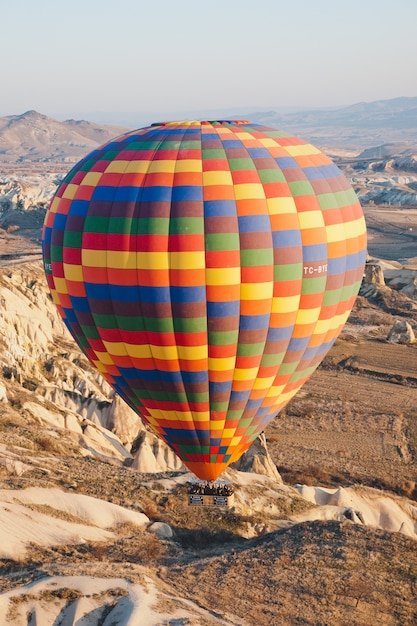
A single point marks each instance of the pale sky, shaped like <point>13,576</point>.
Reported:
<point>73,58</point>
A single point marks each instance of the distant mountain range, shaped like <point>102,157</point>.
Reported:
<point>32,138</point>
<point>361,125</point>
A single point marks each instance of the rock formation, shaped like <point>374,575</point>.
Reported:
<point>401,332</point>
<point>257,460</point>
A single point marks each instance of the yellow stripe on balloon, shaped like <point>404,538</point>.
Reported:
<point>185,260</point>
<point>166,166</point>
<point>121,259</point>
<point>285,304</point>
<point>133,167</point>
<point>70,191</point>
<point>323,326</point>
<point>245,136</point>
<point>286,397</point>
<point>152,260</point>
<point>183,416</point>
<point>336,232</point>
<point>140,351</point>
<point>73,272</point>
<point>94,258</point>
<point>268,143</point>
<point>189,165</point>
<point>223,276</point>
<point>279,206</point>
<point>347,230</point>
<point>55,297</point>
<point>61,285</point>
<point>302,150</point>
<point>115,348</point>
<point>117,167</point>
<point>310,219</point>
<point>54,204</point>
<point>100,367</point>
<point>221,364</point>
<point>249,191</point>
<point>256,291</point>
<point>164,353</point>
<point>263,383</point>
<point>245,373</point>
<point>339,320</point>
<point>274,391</point>
<point>104,357</point>
<point>91,178</point>
<point>217,178</point>
<point>193,353</point>
<point>307,316</point>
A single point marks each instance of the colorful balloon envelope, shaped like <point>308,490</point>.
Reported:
<point>205,269</point>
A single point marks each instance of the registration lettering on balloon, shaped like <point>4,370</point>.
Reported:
<point>205,268</point>
<point>319,268</point>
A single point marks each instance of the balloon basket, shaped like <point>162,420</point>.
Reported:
<point>210,493</point>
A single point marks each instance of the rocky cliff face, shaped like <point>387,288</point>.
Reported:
<point>47,380</point>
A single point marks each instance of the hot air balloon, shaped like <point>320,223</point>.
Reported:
<point>205,269</point>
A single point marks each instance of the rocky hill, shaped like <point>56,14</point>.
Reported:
<point>33,138</point>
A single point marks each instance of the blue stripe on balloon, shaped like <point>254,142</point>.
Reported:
<point>317,252</point>
<point>279,334</point>
<point>134,373</point>
<point>322,171</point>
<point>223,309</point>
<point>336,266</point>
<point>103,193</point>
<point>254,322</point>
<point>79,207</point>
<point>238,396</point>
<point>219,208</point>
<point>80,303</point>
<point>126,194</point>
<point>232,143</point>
<point>312,352</point>
<point>287,162</point>
<point>156,193</point>
<point>181,193</point>
<point>298,344</point>
<point>60,221</point>
<point>254,224</point>
<point>96,291</point>
<point>254,404</point>
<point>195,377</point>
<point>70,317</point>
<point>129,293</point>
<point>356,260</point>
<point>219,387</point>
<point>286,238</point>
<point>259,153</point>
<point>186,294</point>
<point>184,434</point>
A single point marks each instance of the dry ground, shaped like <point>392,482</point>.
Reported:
<point>355,420</point>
